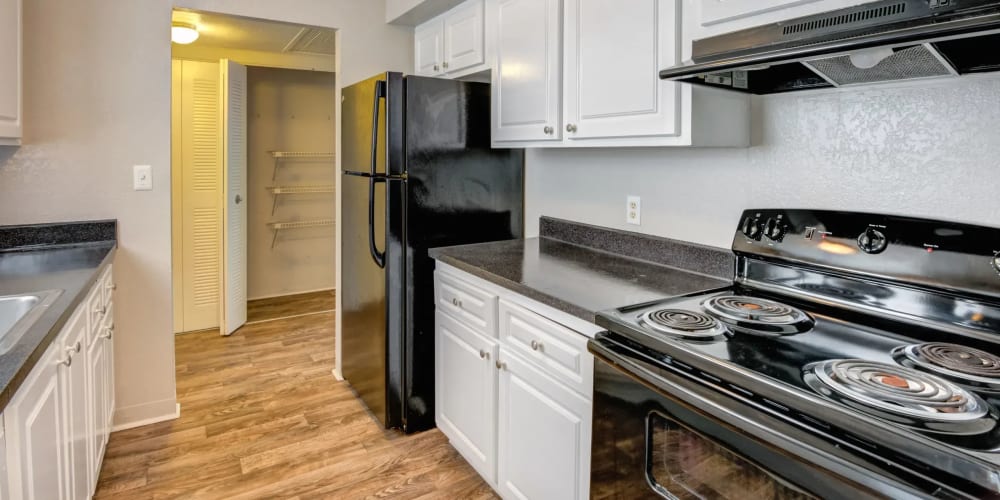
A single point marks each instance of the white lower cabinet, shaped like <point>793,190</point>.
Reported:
<point>514,394</point>
<point>55,426</point>
<point>544,435</point>
<point>466,390</point>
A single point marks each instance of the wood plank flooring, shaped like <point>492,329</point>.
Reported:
<point>262,417</point>
<point>290,305</point>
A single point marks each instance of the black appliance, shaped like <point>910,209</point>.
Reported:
<point>418,173</point>
<point>874,41</point>
<point>854,356</point>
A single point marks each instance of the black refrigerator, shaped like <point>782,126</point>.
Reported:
<point>419,173</point>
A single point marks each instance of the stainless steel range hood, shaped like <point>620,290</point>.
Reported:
<point>878,41</point>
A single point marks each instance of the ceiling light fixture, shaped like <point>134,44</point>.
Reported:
<point>183,33</point>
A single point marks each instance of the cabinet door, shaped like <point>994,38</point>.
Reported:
<point>35,427</point>
<point>4,478</point>
<point>466,387</point>
<point>544,435</point>
<point>10,71</point>
<point>97,372</point>
<point>527,78</point>
<point>428,46</point>
<point>75,395</point>
<point>107,336</point>
<point>613,53</point>
<point>464,43</point>
<point>722,11</point>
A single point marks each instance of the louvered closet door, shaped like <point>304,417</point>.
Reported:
<point>201,181</point>
<point>234,161</point>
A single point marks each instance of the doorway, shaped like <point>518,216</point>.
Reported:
<point>253,173</point>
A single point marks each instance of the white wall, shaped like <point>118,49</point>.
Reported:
<point>928,149</point>
<point>97,101</point>
<point>289,110</point>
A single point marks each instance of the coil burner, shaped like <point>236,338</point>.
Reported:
<point>901,394</point>
<point>758,316</point>
<point>977,369</point>
<point>684,324</point>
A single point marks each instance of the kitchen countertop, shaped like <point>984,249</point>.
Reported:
<point>47,260</point>
<point>582,280</point>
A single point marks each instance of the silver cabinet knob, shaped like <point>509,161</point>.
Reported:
<point>536,345</point>
<point>483,354</point>
<point>455,302</point>
<point>570,127</point>
<point>500,365</point>
<point>548,130</point>
<point>445,64</point>
<point>112,286</point>
<point>437,68</point>
<point>76,347</point>
<point>108,332</point>
<point>68,361</point>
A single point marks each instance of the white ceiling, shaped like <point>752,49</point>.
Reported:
<point>241,33</point>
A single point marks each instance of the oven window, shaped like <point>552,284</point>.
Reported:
<point>683,464</point>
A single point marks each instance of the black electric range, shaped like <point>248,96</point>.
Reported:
<point>854,356</point>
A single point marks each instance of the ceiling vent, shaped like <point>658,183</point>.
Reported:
<point>313,41</point>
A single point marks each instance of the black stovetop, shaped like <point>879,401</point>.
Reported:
<point>772,369</point>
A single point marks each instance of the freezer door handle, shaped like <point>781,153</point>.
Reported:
<point>377,256</point>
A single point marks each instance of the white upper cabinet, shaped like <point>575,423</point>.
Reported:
<point>453,44</point>
<point>464,41</point>
<point>10,72</point>
<point>612,89</point>
<point>610,93</point>
<point>428,46</point>
<point>707,18</point>
<point>527,101</point>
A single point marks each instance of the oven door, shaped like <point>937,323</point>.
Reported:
<point>657,434</point>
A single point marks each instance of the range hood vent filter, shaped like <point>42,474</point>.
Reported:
<point>919,61</point>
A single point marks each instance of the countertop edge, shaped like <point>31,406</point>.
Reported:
<point>25,369</point>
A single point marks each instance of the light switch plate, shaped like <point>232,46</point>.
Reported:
<point>633,210</point>
<point>142,177</point>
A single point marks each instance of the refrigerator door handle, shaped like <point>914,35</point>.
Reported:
<point>377,256</point>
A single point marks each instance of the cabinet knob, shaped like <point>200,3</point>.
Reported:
<point>109,331</point>
<point>77,346</point>
<point>536,345</point>
<point>456,302</point>
<point>68,361</point>
<point>501,365</point>
<point>570,127</point>
<point>548,130</point>
<point>437,68</point>
<point>112,286</point>
<point>445,64</point>
<point>483,354</point>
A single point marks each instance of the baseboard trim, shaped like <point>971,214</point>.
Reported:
<point>262,297</point>
<point>145,414</point>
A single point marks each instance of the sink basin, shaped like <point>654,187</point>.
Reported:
<point>19,312</point>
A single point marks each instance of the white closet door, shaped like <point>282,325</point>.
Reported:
<point>201,214</point>
<point>234,164</point>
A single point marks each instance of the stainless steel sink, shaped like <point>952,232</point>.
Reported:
<point>19,312</point>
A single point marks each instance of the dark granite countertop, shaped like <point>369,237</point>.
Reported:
<point>33,261</point>
<point>582,280</point>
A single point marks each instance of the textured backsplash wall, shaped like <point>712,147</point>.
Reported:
<point>928,149</point>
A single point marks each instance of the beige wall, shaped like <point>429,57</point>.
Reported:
<point>97,101</point>
<point>289,110</point>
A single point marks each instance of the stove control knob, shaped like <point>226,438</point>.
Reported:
<point>872,241</point>
<point>751,228</point>
<point>774,229</point>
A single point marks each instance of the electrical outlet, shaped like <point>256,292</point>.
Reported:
<point>633,210</point>
<point>142,177</point>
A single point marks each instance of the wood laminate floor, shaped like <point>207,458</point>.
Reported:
<point>290,305</point>
<point>262,417</point>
